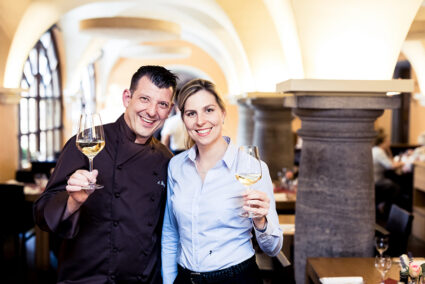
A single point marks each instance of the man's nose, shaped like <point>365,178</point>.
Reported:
<point>151,110</point>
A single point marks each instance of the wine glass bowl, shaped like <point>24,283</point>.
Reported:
<point>90,140</point>
<point>381,245</point>
<point>248,169</point>
<point>383,265</point>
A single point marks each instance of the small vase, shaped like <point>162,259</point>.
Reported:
<point>404,278</point>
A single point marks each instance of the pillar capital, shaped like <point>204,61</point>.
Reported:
<point>343,94</point>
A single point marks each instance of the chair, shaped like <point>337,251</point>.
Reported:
<point>398,228</point>
<point>24,176</point>
<point>16,219</point>
<point>42,167</point>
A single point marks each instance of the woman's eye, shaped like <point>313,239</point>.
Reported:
<point>210,110</point>
<point>189,114</point>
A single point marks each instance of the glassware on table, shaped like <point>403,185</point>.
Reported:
<point>90,140</point>
<point>41,181</point>
<point>248,169</point>
<point>383,265</point>
<point>381,245</point>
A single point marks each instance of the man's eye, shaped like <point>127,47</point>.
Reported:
<point>164,105</point>
<point>144,99</point>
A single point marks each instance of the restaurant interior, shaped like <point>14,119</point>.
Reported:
<point>311,83</point>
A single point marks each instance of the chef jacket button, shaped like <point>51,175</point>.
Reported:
<point>117,195</point>
<point>115,223</point>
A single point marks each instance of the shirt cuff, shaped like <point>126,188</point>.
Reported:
<point>263,230</point>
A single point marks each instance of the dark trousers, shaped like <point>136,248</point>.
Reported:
<point>246,272</point>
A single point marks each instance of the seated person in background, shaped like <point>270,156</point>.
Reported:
<point>386,190</point>
<point>173,133</point>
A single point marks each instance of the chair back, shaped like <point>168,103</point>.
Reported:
<point>12,208</point>
<point>399,225</point>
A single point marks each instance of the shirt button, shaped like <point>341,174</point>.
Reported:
<point>117,195</point>
<point>115,223</point>
<point>152,198</point>
<point>150,224</point>
<point>114,250</point>
<point>112,277</point>
<point>119,167</point>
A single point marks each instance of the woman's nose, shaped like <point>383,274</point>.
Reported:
<point>201,119</point>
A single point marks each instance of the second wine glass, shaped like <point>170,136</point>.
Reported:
<point>248,169</point>
<point>383,265</point>
<point>381,244</point>
<point>90,140</point>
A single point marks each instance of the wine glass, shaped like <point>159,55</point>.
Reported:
<point>90,140</point>
<point>381,244</point>
<point>248,169</point>
<point>383,265</point>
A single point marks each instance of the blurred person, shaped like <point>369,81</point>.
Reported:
<point>204,239</point>
<point>386,189</point>
<point>173,133</point>
<point>112,234</point>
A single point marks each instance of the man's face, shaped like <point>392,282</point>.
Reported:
<point>147,108</point>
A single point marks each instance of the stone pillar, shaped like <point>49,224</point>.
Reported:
<point>273,133</point>
<point>335,212</point>
<point>245,123</point>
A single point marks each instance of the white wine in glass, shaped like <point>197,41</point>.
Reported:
<point>248,169</point>
<point>90,140</point>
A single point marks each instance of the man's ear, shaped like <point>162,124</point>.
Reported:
<point>126,97</point>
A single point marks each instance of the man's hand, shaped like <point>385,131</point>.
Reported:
<point>77,194</point>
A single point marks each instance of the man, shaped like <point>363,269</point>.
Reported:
<point>112,235</point>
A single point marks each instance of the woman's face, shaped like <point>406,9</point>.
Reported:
<point>203,118</point>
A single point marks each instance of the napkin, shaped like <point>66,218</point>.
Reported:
<point>342,280</point>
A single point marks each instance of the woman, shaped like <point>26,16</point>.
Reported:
<point>387,191</point>
<point>204,239</point>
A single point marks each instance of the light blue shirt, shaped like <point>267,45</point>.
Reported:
<point>202,228</point>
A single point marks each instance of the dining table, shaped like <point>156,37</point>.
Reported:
<point>318,268</point>
<point>285,201</point>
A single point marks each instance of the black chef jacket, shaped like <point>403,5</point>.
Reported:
<point>115,236</point>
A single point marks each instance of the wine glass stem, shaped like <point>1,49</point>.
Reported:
<point>91,164</point>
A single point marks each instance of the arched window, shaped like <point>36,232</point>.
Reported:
<point>40,108</point>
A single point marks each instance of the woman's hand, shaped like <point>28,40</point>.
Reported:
<point>258,203</point>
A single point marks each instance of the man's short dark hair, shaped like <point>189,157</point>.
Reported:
<point>159,76</point>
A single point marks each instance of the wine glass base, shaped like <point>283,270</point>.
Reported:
<point>92,187</point>
<point>247,215</point>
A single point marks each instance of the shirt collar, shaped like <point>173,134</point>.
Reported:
<point>131,136</point>
<point>228,157</point>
